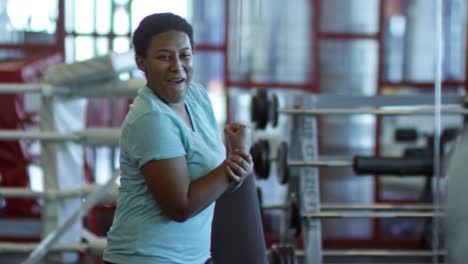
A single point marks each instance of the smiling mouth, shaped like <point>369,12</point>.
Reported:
<point>176,81</point>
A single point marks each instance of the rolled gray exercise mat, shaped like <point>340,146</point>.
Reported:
<point>237,235</point>
<point>456,211</point>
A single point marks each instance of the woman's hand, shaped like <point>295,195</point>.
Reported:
<point>238,136</point>
<point>240,165</point>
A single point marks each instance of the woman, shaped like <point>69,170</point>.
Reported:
<point>173,160</point>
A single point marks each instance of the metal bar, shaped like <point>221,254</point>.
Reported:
<point>88,235</point>
<point>352,101</point>
<point>26,192</point>
<point>60,34</point>
<point>343,36</point>
<point>386,206</point>
<point>96,34</point>
<point>6,247</point>
<point>9,88</point>
<point>377,253</point>
<point>373,111</point>
<point>29,47</point>
<point>428,85</point>
<point>275,207</point>
<point>250,84</point>
<point>46,244</point>
<point>128,88</point>
<point>320,163</point>
<point>360,207</point>
<point>97,136</point>
<point>10,134</point>
<point>394,214</point>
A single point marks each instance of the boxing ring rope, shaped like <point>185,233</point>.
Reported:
<point>54,194</point>
<point>93,136</point>
<point>8,88</point>
<point>95,245</point>
<point>28,247</point>
<point>112,89</point>
<point>46,244</point>
<point>94,78</point>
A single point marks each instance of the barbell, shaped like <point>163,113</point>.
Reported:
<point>366,215</point>
<point>356,211</point>
<point>287,253</point>
<point>403,166</point>
<point>265,110</point>
<point>360,207</point>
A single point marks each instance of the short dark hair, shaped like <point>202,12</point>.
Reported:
<point>155,24</point>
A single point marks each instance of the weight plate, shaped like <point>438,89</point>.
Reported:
<point>266,158</point>
<point>260,152</point>
<point>273,107</point>
<point>259,109</point>
<point>295,222</point>
<point>282,163</point>
<point>275,257</point>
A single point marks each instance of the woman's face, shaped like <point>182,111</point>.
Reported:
<point>168,66</point>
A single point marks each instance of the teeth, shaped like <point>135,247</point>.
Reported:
<point>176,80</point>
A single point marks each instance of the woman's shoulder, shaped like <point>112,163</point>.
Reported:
<point>199,93</point>
<point>198,90</point>
<point>145,106</point>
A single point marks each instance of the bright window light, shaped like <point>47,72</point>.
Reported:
<point>142,8</point>
<point>33,15</point>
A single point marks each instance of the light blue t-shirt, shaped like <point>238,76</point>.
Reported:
<point>140,232</point>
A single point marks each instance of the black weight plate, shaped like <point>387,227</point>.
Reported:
<point>256,153</point>
<point>266,158</point>
<point>273,107</point>
<point>282,163</point>
<point>260,153</point>
<point>259,109</point>
<point>295,221</point>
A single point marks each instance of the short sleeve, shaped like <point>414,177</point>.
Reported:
<point>155,136</point>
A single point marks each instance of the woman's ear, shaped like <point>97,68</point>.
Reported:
<point>140,62</point>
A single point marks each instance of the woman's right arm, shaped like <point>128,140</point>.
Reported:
<point>180,198</point>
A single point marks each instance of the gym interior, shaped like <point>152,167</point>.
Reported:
<point>356,110</point>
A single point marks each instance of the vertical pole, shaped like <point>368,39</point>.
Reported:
<point>304,146</point>
<point>63,168</point>
<point>466,62</point>
<point>378,124</point>
<point>60,35</point>
<point>227,79</point>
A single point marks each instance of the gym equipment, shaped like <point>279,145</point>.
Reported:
<point>244,241</point>
<point>265,108</point>
<point>403,166</point>
<point>393,214</point>
<point>361,207</point>
<point>281,253</point>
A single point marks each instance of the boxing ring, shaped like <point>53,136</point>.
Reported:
<point>62,135</point>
